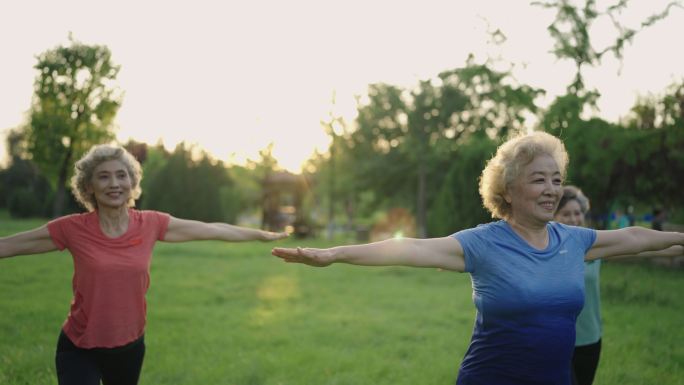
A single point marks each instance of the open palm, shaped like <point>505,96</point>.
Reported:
<point>308,256</point>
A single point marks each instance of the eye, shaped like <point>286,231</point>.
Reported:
<point>557,181</point>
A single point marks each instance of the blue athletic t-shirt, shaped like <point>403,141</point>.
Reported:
<point>527,302</point>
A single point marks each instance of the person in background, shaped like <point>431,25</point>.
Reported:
<point>572,210</point>
<point>102,338</point>
<point>658,219</point>
<point>527,271</point>
<point>630,215</point>
<point>622,219</point>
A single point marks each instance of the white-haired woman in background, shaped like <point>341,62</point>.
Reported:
<point>572,210</point>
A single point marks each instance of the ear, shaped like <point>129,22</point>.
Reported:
<point>507,195</point>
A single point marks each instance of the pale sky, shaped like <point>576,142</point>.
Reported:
<point>233,77</point>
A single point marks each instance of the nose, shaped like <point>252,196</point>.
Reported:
<point>113,182</point>
<point>551,189</point>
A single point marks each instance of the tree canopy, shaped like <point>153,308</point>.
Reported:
<point>74,106</point>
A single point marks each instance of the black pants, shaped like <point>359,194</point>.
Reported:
<point>584,363</point>
<point>115,366</point>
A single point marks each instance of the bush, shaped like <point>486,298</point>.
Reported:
<point>458,204</point>
<point>24,203</point>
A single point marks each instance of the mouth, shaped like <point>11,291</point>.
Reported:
<point>114,195</point>
<point>549,206</point>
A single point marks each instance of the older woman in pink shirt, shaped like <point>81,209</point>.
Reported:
<point>102,338</point>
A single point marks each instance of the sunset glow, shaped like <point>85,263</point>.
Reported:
<point>234,79</point>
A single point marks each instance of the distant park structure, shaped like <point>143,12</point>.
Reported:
<point>283,194</point>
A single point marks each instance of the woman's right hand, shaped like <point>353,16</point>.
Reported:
<point>308,256</point>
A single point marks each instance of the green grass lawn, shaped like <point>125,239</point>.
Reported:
<point>230,314</point>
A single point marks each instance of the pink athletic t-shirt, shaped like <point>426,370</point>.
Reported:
<point>111,276</point>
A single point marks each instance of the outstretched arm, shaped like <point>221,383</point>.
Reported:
<point>670,252</point>
<point>34,241</point>
<point>632,241</point>
<point>183,230</point>
<point>445,253</point>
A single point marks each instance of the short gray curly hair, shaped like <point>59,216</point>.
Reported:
<point>571,193</point>
<point>85,167</point>
<point>505,166</point>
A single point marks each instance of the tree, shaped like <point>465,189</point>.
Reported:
<point>412,134</point>
<point>570,30</point>
<point>333,124</point>
<point>618,170</point>
<point>656,164</point>
<point>262,171</point>
<point>458,203</point>
<point>23,189</point>
<point>188,185</point>
<point>155,160</point>
<point>640,160</point>
<point>73,109</point>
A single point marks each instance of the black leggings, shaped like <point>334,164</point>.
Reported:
<point>584,363</point>
<point>115,366</point>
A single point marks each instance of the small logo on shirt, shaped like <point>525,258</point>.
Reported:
<point>562,251</point>
<point>135,241</point>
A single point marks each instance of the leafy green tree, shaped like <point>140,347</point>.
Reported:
<point>246,194</point>
<point>14,140</point>
<point>262,170</point>
<point>597,152</point>
<point>607,160</point>
<point>411,134</point>
<point>73,109</point>
<point>640,160</point>
<point>334,184</point>
<point>155,161</point>
<point>656,163</point>
<point>188,185</point>
<point>573,40</point>
<point>24,190</point>
<point>334,126</point>
<point>458,203</point>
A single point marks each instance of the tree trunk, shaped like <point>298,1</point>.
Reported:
<point>60,194</point>
<point>420,212</point>
<point>331,195</point>
<point>350,210</point>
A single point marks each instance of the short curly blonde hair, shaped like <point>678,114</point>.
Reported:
<point>85,167</point>
<point>505,166</point>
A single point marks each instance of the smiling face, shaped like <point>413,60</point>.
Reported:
<point>110,184</point>
<point>535,193</point>
<point>570,214</point>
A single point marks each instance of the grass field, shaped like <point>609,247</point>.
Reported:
<point>230,314</point>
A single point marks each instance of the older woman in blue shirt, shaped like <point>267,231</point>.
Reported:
<point>527,271</point>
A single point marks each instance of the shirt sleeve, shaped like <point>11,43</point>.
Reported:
<point>586,236</point>
<point>58,233</point>
<point>472,243</point>
<point>162,222</point>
